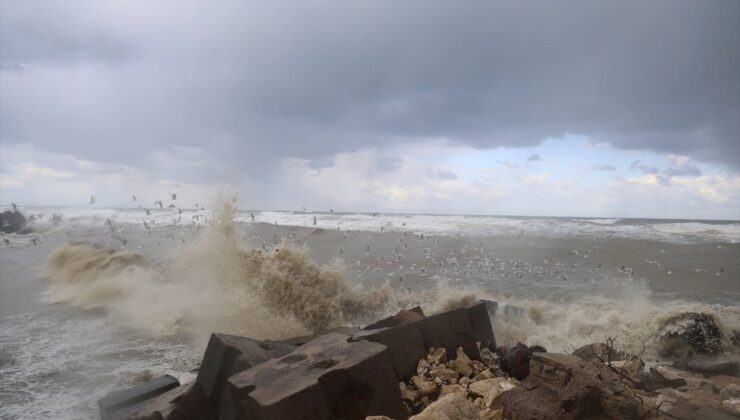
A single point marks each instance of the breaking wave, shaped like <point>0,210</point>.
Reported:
<point>217,284</point>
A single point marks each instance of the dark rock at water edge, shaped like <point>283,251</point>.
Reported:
<point>688,334</point>
<point>515,359</point>
<point>13,222</point>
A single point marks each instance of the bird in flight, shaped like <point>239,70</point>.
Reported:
<point>92,199</point>
<point>158,203</point>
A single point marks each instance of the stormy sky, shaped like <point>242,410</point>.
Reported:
<point>608,108</point>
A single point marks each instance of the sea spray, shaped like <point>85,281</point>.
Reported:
<point>215,284</point>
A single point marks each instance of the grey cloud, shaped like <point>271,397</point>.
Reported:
<point>603,168</point>
<point>639,166</point>
<point>534,158</point>
<point>253,82</point>
<point>388,163</point>
<point>442,174</point>
<point>683,170</point>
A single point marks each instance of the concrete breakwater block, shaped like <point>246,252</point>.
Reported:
<point>182,403</point>
<point>408,342</point>
<point>230,354</point>
<point>328,378</point>
<point>117,404</point>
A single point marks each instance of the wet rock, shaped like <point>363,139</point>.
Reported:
<point>490,414</point>
<point>402,317</point>
<point>601,352</point>
<point>117,404</point>
<point>515,360</point>
<point>564,386</point>
<point>326,378</point>
<point>230,354</point>
<point>182,403</point>
<point>689,334</point>
<point>632,368</point>
<point>423,367</point>
<point>12,222</point>
<point>722,365</point>
<point>450,407</point>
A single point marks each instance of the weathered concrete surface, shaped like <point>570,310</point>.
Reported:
<point>117,404</point>
<point>186,402</point>
<point>299,341</point>
<point>328,378</point>
<point>230,354</point>
<point>404,316</point>
<point>409,342</point>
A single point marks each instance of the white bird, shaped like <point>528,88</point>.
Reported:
<point>158,203</point>
<point>174,196</point>
<point>133,197</point>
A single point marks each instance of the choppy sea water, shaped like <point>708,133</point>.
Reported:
<point>58,358</point>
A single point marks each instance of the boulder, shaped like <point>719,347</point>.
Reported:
<point>117,404</point>
<point>12,222</point>
<point>402,317</point>
<point>562,386</point>
<point>230,354</point>
<point>299,341</point>
<point>685,410</point>
<point>437,355</point>
<point>405,344</point>
<point>656,380</point>
<point>515,360</point>
<point>720,365</point>
<point>328,378</point>
<point>450,407</point>
<point>689,334</point>
<point>182,403</point>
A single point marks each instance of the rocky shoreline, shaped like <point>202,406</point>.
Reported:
<point>443,366</point>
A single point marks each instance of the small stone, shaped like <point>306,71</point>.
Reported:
<point>461,355</point>
<point>479,403</point>
<point>478,366</point>
<point>451,389</point>
<point>423,367</point>
<point>464,381</point>
<point>438,381</point>
<point>425,388</point>
<point>437,355</point>
<point>486,374</point>
<point>488,357</point>
<point>406,393</point>
<point>462,367</point>
<point>447,375</point>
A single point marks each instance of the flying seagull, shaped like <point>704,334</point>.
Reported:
<point>174,196</point>
<point>92,199</point>
<point>158,203</point>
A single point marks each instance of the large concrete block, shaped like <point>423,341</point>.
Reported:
<point>182,403</point>
<point>117,404</point>
<point>410,341</point>
<point>405,343</point>
<point>328,378</point>
<point>404,316</point>
<point>299,341</point>
<point>230,354</point>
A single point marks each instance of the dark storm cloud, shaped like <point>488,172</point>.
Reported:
<point>251,82</point>
<point>639,166</point>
